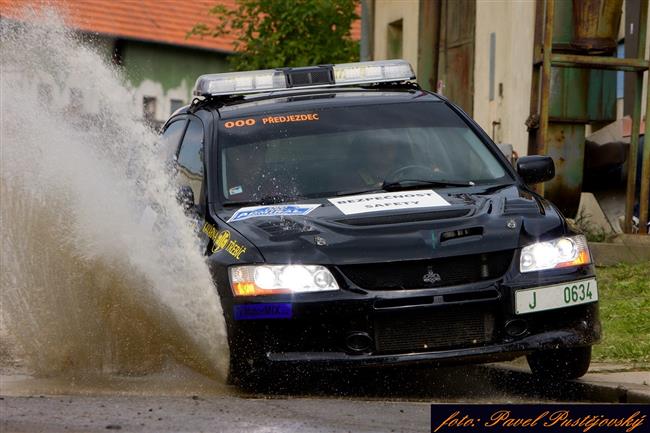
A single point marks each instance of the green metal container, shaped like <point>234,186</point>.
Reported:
<point>582,95</point>
<point>566,145</point>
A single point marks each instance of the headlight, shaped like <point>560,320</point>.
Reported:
<point>254,280</point>
<point>558,253</point>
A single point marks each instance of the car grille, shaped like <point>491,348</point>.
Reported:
<point>434,330</point>
<point>448,271</point>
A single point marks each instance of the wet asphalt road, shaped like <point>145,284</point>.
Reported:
<point>395,400</point>
<point>215,414</point>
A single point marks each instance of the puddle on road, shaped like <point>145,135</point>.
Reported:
<point>424,385</point>
<point>170,380</point>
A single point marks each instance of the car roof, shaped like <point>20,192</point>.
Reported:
<point>317,98</point>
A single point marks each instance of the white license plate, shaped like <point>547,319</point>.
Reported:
<point>556,296</point>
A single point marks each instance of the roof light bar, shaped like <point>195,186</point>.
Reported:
<point>233,83</point>
<point>268,80</point>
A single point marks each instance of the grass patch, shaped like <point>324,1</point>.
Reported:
<point>625,313</point>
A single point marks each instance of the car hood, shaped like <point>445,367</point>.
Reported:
<point>475,220</point>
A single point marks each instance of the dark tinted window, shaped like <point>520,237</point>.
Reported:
<point>172,136</point>
<point>190,157</point>
<point>322,152</point>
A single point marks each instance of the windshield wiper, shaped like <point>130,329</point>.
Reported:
<point>404,184</point>
<point>359,191</point>
<point>410,183</point>
<point>278,198</point>
<point>266,200</point>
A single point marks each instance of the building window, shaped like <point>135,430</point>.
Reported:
<point>76,100</point>
<point>149,108</point>
<point>620,77</point>
<point>118,52</point>
<point>175,104</point>
<point>45,93</point>
<point>395,38</point>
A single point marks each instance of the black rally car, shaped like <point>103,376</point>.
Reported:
<point>351,218</point>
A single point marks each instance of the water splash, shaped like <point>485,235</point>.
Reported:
<point>100,269</point>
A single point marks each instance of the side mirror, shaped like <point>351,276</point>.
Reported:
<point>536,168</point>
<point>185,197</point>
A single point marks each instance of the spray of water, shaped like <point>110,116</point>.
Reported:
<point>100,268</point>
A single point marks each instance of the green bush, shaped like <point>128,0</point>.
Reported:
<point>277,33</point>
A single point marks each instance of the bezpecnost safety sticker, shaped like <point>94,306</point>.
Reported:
<point>275,210</point>
<point>355,204</point>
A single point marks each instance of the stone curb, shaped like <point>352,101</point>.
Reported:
<point>586,388</point>
<point>607,254</point>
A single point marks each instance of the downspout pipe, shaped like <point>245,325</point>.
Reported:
<point>366,29</point>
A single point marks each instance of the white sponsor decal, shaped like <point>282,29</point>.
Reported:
<point>355,204</point>
<point>272,210</point>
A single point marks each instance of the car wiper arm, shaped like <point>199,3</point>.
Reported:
<point>404,184</point>
<point>410,183</point>
<point>359,191</point>
<point>278,198</point>
<point>269,199</point>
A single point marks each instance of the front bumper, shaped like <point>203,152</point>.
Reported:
<point>483,354</point>
<point>320,325</point>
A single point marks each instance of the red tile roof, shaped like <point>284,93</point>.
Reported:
<point>162,21</point>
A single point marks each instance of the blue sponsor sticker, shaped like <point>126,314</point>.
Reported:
<point>275,210</point>
<point>263,311</point>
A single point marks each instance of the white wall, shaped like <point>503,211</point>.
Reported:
<point>513,22</point>
<point>388,11</point>
<point>155,89</point>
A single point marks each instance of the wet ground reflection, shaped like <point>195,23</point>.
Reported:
<point>475,383</point>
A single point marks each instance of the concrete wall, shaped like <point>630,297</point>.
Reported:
<point>388,11</point>
<point>166,73</point>
<point>513,23</point>
<point>157,71</point>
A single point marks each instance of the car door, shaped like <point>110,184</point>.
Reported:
<point>190,165</point>
<point>189,171</point>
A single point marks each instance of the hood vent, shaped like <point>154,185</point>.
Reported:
<point>405,218</point>
<point>461,233</point>
<point>285,229</point>
<point>520,206</point>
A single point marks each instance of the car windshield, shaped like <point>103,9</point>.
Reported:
<point>276,157</point>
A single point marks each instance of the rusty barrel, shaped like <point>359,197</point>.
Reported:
<point>596,24</point>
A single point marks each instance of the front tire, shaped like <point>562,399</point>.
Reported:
<point>560,364</point>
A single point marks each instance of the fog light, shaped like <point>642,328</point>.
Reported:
<point>358,342</point>
<point>516,328</point>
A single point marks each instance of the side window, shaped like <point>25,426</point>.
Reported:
<point>190,158</point>
<point>171,137</point>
